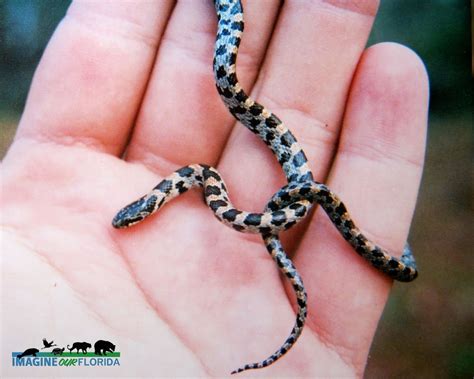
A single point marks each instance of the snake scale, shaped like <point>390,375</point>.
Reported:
<point>288,206</point>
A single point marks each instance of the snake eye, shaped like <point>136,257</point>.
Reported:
<point>125,223</point>
<point>134,212</point>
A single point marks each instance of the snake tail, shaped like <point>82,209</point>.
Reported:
<point>288,269</point>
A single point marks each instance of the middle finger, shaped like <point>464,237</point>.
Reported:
<point>182,120</point>
<point>305,79</point>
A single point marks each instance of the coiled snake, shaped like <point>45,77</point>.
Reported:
<point>288,206</point>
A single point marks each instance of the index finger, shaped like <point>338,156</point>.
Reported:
<point>92,76</point>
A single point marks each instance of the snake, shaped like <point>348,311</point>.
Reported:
<point>286,207</point>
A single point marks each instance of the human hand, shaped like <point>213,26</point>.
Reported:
<point>181,294</point>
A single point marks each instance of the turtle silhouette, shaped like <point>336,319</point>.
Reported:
<point>31,351</point>
<point>58,351</point>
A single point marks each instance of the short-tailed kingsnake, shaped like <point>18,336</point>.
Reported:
<point>288,206</point>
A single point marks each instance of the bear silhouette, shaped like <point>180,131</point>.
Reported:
<point>80,346</point>
<point>32,351</point>
<point>102,347</point>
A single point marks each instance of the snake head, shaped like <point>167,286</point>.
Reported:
<point>135,212</point>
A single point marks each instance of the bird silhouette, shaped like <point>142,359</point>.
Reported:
<point>47,344</point>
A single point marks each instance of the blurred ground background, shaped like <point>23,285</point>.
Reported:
<point>427,330</point>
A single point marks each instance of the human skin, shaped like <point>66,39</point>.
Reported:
<point>182,294</point>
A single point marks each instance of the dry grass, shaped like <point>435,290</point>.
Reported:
<point>7,131</point>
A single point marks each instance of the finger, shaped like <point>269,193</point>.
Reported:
<point>183,120</point>
<point>376,172</point>
<point>304,80</point>
<point>92,76</point>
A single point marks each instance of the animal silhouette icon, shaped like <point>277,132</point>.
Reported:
<point>101,347</point>
<point>83,346</point>
<point>47,344</point>
<point>58,351</point>
<point>31,351</point>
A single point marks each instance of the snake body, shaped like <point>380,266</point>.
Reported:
<point>287,207</point>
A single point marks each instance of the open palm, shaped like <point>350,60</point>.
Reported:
<point>182,294</point>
